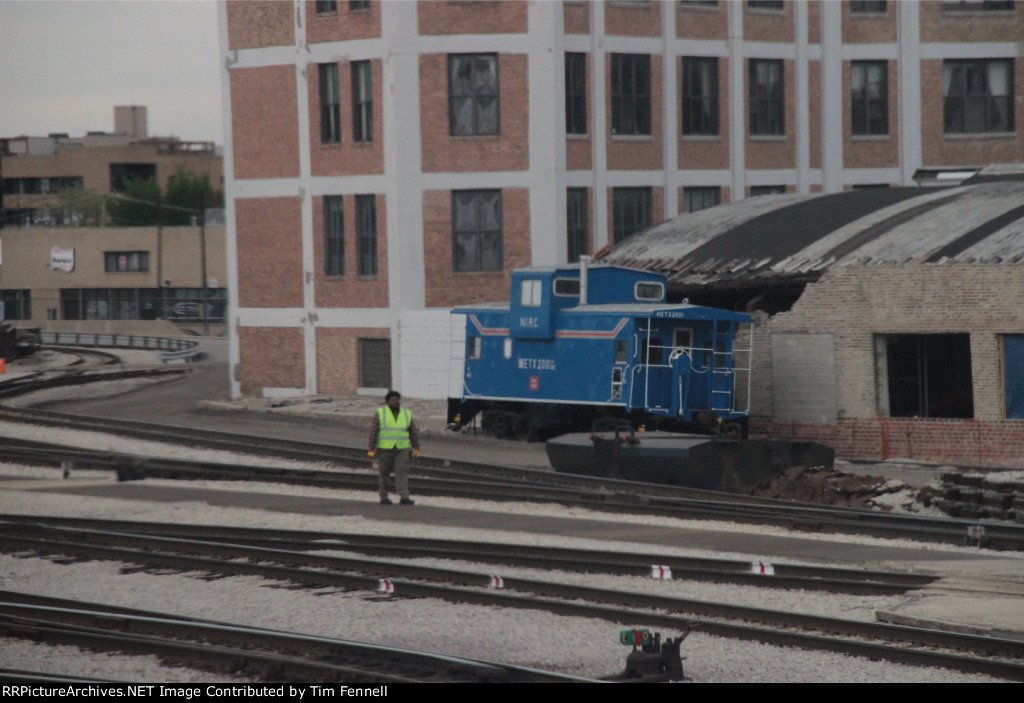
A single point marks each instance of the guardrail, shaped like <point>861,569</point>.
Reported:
<point>172,349</point>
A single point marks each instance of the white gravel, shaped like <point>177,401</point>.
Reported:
<point>572,645</point>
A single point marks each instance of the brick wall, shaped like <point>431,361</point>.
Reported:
<point>346,157</point>
<point>472,17</point>
<point>870,28</point>
<point>506,151</point>
<point>773,152</point>
<point>855,304</point>
<point>706,152</point>
<point>351,290</point>
<point>871,151</point>
<point>270,357</point>
<point>269,236</point>
<point>254,24</point>
<point>769,25</point>
<point>632,20</point>
<point>939,26</point>
<point>343,24</point>
<point>702,22</point>
<point>264,129</point>
<point>337,358</point>
<point>445,287</point>
<point>576,17</point>
<point>636,153</point>
<point>940,149</point>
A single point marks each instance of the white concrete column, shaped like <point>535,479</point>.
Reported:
<point>737,103</point>
<point>231,239</point>
<point>832,98</point>
<point>803,106</point>
<point>670,101</point>
<point>305,189</point>
<point>546,76</point>
<point>599,137</point>
<point>908,18</point>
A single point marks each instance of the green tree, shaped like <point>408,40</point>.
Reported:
<point>139,206</point>
<point>189,191</point>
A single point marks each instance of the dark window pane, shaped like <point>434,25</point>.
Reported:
<point>366,234</point>
<point>700,95</point>
<point>477,230</point>
<point>334,236</point>
<point>362,102</point>
<point>330,104</point>
<point>631,93</point>
<point>631,211</point>
<point>473,94</point>
<point>978,96</point>
<point>577,223</point>
<point>375,363</point>
<point>575,93</point>
<point>766,97</point>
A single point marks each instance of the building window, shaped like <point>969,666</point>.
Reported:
<point>631,94</point>
<point>766,190</point>
<point>476,225</point>
<point>577,223</point>
<point>362,102</point>
<point>700,95</point>
<point>177,304</point>
<point>121,174</point>
<point>631,211</point>
<point>330,104</point>
<point>473,93</point>
<point>366,234</point>
<point>701,198</point>
<point>334,236</point>
<point>575,93</point>
<point>929,375</point>
<point>864,7</point>
<point>869,97</point>
<point>375,363</point>
<point>15,305</point>
<point>358,5</point>
<point>125,261</point>
<point>766,97</point>
<point>764,4</point>
<point>699,3</point>
<point>324,7</point>
<point>1013,371</point>
<point>978,96</point>
<point>977,6</point>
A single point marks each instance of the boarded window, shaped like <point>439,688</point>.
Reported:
<point>375,363</point>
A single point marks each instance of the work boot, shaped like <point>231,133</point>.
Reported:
<point>407,501</point>
<point>385,501</point>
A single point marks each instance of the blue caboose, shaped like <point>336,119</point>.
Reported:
<point>582,342</point>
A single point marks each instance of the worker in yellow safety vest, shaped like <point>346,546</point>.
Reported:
<point>393,438</point>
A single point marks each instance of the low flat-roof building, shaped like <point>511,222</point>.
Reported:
<point>890,322</point>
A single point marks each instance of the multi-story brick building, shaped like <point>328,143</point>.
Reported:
<point>34,171</point>
<point>392,156</point>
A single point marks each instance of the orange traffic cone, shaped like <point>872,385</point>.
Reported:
<point>3,365</point>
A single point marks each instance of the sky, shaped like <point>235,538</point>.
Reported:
<point>65,64</point>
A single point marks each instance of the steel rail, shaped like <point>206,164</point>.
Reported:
<point>250,542</point>
<point>564,598</point>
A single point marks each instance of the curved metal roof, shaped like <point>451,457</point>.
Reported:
<point>797,237</point>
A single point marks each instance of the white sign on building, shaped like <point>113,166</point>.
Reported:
<point>63,259</point>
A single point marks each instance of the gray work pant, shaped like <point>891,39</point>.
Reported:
<point>396,460</point>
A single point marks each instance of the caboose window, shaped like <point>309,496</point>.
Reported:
<point>620,351</point>
<point>616,383</point>
<point>567,286</point>
<point>530,292</point>
<point>650,291</point>
<point>475,347</point>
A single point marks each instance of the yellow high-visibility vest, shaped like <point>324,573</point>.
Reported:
<point>394,432</point>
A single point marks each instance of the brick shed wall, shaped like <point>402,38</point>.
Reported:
<point>855,304</point>
<point>270,357</point>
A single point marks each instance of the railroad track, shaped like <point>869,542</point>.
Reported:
<point>268,655</point>
<point>951,650</point>
<point>345,468</point>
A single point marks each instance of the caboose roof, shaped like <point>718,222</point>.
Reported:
<point>656,310</point>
